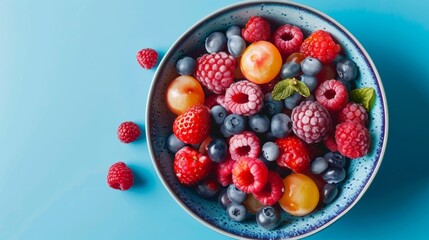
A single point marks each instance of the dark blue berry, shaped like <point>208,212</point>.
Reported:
<point>335,159</point>
<point>236,212</point>
<point>329,193</point>
<point>270,151</point>
<point>205,191</point>
<point>234,123</point>
<point>281,125</point>
<point>236,45</point>
<point>218,114</point>
<point>271,106</point>
<point>186,66</point>
<point>215,42</point>
<point>292,101</point>
<point>334,174</point>
<point>259,123</point>
<point>268,217</point>
<point>217,150</point>
<point>174,144</point>
<point>290,69</point>
<point>235,194</point>
<point>319,165</point>
<point>346,69</point>
<point>311,66</point>
<point>225,132</point>
<point>310,81</point>
<point>233,31</point>
<point>224,200</point>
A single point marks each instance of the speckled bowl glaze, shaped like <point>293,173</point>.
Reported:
<point>159,120</point>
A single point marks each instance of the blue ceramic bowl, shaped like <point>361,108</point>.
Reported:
<point>159,120</point>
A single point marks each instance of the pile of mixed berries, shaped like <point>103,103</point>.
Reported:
<point>267,120</point>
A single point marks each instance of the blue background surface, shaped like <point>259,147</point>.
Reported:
<point>69,77</point>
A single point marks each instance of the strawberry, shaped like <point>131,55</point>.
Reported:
<point>249,174</point>
<point>293,154</point>
<point>272,191</point>
<point>191,166</point>
<point>193,126</point>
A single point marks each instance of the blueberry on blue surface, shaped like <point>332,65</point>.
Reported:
<point>334,174</point>
<point>268,217</point>
<point>236,212</point>
<point>311,66</point>
<point>233,31</point>
<point>319,165</point>
<point>174,144</point>
<point>346,69</point>
<point>281,125</point>
<point>335,159</point>
<point>290,69</point>
<point>235,195</point>
<point>259,123</point>
<point>310,81</point>
<point>217,150</point>
<point>223,199</point>
<point>292,101</point>
<point>218,114</point>
<point>329,193</point>
<point>234,123</point>
<point>186,66</point>
<point>270,151</point>
<point>236,45</point>
<point>215,42</point>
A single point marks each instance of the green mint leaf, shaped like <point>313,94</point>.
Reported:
<point>302,89</point>
<point>282,90</point>
<point>364,96</point>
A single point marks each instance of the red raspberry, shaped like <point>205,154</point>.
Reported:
<point>193,126</point>
<point>272,191</point>
<point>288,39</point>
<point>249,174</point>
<point>332,94</point>
<point>330,142</point>
<point>216,71</point>
<point>223,172</point>
<point>147,58</point>
<point>353,139</point>
<point>245,144</point>
<point>353,112</point>
<point>256,29</point>
<point>128,132</point>
<point>311,121</point>
<point>293,154</point>
<point>244,98</point>
<point>320,45</point>
<point>191,166</point>
<point>120,176</point>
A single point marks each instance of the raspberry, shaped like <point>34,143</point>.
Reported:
<point>249,174</point>
<point>311,121</point>
<point>193,126</point>
<point>332,94</point>
<point>223,172</point>
<point>256,29</point>
<point>216,71</point>
<point>128,132</point>
<point>293,154</point>
<point>288,39</point>
<point>320,45</point>
<point>330,142</point>
<point>353,139</point>
<point>120,176</point>
<point>353,112</point>
<point>191,166</point>
<point>244,98</point>
<point>272,191</point>
<point>147,58</point>
<point>245,144</point>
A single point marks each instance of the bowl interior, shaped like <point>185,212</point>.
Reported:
<point>160,119</point>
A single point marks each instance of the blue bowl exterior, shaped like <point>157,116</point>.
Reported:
<point>159,120</point>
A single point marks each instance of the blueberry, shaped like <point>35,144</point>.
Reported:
<point>319,165</point>
<point>217,150</point>
<point>270,151</point>
<point>236,45</point>
<point>269,136</point>
<point>271,107</point>
<point>204,191</point>
<point>235,195</point>
<point>223,199</point>
<point>215,42</point>
<point>259,123</point>
<point>281,125</point>
<point>310,81</point>
<point>225,132</point>
<point>218,114</point>
<point>335,159</point>
<point>334,174</point>
<point>290,69</point>
<point>233,31</point>
<point>346,69</point>
<point>236,212</point>
<point>311,66</point>
<point>186,66</point>
<point>330,192</point>
<point>234,123</point>
<point>292,101</point>
<point>174,144</point>
<point>268,217</point>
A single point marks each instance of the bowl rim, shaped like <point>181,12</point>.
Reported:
<point>293,4</point>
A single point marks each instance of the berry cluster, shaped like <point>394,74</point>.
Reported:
<point>264,113</point>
